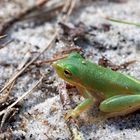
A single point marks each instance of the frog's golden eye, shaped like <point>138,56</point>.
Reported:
<point>67,73</point>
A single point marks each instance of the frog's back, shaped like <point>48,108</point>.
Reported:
<point>106,80</point>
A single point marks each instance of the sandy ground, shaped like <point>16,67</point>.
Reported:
<point>41,114</point>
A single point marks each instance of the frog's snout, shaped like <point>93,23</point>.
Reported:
<point>57,66</point>
<point>54,64</point>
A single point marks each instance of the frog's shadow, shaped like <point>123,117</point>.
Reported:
<point>129,121</point>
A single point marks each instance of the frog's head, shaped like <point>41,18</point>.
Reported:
<point>69,68</point>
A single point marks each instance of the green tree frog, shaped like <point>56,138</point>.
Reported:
<point>116,93</point>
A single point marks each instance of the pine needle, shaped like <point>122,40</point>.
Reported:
<point>122,21</point>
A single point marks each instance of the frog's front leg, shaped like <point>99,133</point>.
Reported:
<point>87,103</point>
<point>120,105</point>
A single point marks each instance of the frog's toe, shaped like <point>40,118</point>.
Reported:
<point>70,114</point>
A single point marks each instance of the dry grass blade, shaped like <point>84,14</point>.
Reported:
<point>67,9</point>
<point>22,97</point>
<point>73,2</point>
<point>6,115</point>
<point>122,21</point>
<point>2,36</point>
<point>26,59</point>
<point>6,43</point>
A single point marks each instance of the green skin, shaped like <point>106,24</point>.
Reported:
<point>116,93</point>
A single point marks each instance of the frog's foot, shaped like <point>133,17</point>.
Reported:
<point>70,114</point>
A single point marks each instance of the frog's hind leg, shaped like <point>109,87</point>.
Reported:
<point>120,105</point>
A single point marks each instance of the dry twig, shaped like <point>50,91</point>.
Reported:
<point>6,115</point>
<point>64,52</point>
<point>50,61</point>
<point>2,36</point>
<point>107,63</point>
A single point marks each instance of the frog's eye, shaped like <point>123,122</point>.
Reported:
<point>67,73</point>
